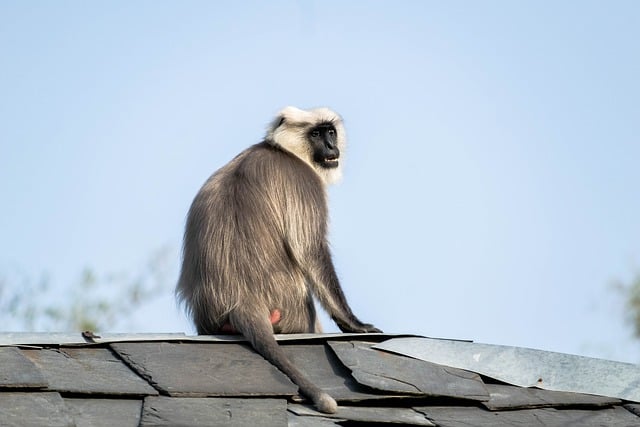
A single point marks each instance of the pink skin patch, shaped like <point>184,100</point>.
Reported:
<point>274,317</point>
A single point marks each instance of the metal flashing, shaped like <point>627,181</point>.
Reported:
<point>527,367</point>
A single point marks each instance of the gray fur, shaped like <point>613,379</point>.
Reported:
<point>255,241</point>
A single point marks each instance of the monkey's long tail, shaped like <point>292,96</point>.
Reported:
<point>259,331</point>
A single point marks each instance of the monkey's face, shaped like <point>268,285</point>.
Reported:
<point>316,137</point>
<point>323,140</point>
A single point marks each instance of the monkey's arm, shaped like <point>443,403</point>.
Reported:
<point>326,286</point>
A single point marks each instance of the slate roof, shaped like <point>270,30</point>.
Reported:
<point>377,379</point>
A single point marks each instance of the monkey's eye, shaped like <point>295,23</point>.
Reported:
<point>315,133</point>
<point>332,132</point>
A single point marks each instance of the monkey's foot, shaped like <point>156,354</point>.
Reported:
<point>325,403</point>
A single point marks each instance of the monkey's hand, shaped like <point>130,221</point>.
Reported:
<point>368,328</point>
<point>358,327</point>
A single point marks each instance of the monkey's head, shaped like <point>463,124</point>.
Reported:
<point>315,136</point>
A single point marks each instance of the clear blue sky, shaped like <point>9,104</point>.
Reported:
<point>492,185</point>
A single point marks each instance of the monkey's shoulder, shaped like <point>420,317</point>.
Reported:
<point>263,178</point>
<point>270,164</point>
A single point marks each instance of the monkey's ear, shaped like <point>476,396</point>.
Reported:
<point>274,125</point>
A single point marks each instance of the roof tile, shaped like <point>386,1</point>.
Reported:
<point>26,409</point>
<point>320,364</point>
<point>368,414</point>
<point>229,412</point>
<point>104,412</point>
<point>448,416</point>
<point>390,372</point>
<point>511,397</point>
<point>18,371</point>
<point>87,370</point>
<point>200,370</point>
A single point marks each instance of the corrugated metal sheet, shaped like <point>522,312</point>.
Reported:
<point>527,367</point>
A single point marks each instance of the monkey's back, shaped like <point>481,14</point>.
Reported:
<point>249,232</point>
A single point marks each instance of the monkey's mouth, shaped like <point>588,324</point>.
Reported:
<point>330,162</point>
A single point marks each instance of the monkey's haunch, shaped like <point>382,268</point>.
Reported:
<point>274,317</point>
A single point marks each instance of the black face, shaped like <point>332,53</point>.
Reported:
<point>324,142</point>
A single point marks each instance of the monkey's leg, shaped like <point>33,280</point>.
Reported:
<point>326,286</point>
<point>256,327</point>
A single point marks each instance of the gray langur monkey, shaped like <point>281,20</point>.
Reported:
<point>255,248</point>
